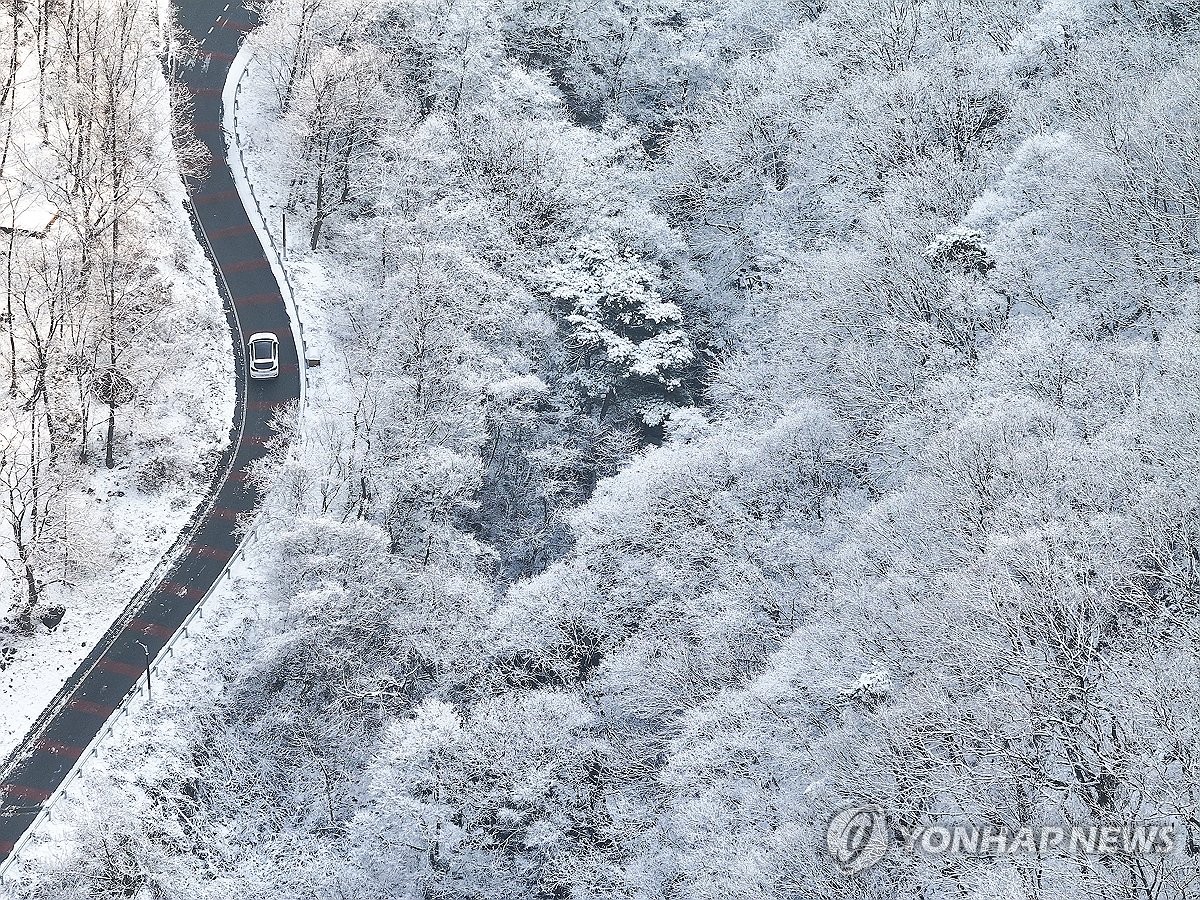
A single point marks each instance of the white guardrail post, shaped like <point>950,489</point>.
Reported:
<point>92,750</point>
<point>231,96</point>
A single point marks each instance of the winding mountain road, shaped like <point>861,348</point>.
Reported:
<point>254,303</point>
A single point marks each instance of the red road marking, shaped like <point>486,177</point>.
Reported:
<point>263,406</point>
<point>215,197</point>
<point>144,627</point>
<point>119,668</point>
<point>181,590</point>
<point>59,749</point>
<point>231,231</point>
<point>247,265</point>
<point>32,794</point>
<point>222,22</point>
<point>238,476</point>
<point>92,709</point>
<point>150,629</point>
<point>212,553</point>
<point>255,299</point>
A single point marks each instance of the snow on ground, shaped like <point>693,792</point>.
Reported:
<point>177,680</point>
<point>138,509</point>
<point>270,171</point>
<point>170,440</point>
<point>311,274</point>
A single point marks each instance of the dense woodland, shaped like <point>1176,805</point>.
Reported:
<point>97,283</point>
<point>746,409</point>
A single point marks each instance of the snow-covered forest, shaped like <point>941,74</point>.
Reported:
<point>115,368</point>
<point>728,411</point>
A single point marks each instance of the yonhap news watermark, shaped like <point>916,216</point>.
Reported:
<point>860,836</point>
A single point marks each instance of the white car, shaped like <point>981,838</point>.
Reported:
<point>262,350</point>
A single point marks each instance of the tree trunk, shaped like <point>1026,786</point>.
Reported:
<point>319,212</point>
<point>109,462</point>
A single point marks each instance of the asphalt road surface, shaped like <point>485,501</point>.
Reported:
<point>254,303</point>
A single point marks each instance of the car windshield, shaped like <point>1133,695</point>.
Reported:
<point>262,350</point>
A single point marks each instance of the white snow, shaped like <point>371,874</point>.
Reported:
<point>169,443</point>
<point>517,387</point>
<point>24,209</point>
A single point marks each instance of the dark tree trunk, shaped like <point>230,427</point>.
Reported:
<point>109,462</point>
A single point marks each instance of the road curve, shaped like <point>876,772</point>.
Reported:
<point>254,303</point>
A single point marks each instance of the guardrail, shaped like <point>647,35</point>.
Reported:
<point>237,73</point>
<point>230,103</point>
<point>141,687</point>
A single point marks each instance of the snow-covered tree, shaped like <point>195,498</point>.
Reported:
<point>614,308</point>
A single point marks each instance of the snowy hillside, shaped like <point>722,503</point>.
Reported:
<point>117,373</point>
<point>729,413</point>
